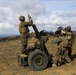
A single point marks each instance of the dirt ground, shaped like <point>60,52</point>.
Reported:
<point>9,51</point>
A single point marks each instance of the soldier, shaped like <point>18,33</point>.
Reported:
<point>62,52</point>
<point>71,38</point>
<point>24,31</point>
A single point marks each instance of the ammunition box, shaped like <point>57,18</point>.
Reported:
<point>22,59</point>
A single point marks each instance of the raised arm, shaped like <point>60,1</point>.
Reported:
<point>30,21</point>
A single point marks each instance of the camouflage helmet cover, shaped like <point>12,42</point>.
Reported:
<point>68,27</point>
<point>21,18</point>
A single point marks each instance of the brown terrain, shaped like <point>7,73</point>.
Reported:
<point>9,50</point>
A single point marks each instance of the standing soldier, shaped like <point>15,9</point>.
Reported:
<point>71,38</point>
<point>24,31</point>
<point>62,52</point>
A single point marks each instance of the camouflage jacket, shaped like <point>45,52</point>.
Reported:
<point>23,27</point>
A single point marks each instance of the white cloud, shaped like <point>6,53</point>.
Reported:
<point>10,12</point>
<point>71,13</point>
<point>2,15</point>
<point>54,21</point>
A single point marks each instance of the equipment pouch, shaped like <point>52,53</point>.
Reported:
<point>69,37</point>
<point>24,30</point>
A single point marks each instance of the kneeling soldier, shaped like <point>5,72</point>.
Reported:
<point>62,52</point>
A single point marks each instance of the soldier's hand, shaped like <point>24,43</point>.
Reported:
<point>30,19</point>
<point>29,16</point>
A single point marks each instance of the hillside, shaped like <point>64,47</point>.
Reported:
<point>9,50</point>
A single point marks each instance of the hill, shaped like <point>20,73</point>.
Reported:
<point>9,50</point>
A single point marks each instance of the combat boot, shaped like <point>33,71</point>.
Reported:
<point>69,63</point>
<point>54,65</point>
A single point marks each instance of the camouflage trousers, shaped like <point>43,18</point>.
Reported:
<point>62,55</point>
<point>24,41</point>
<point>70,50</point>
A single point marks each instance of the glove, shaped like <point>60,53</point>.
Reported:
<point>30,19</point>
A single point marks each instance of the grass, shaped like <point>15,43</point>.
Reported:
<point>9,51</point>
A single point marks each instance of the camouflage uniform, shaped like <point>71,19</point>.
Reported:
<point>24,31</point>
<point>62,52</point>
<point>70,38</point>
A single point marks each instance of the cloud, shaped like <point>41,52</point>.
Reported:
<point>2,15</point>
<point>10,12</point>
<point>33,7</point>
<point>54,20</point>
<point>67,14</point>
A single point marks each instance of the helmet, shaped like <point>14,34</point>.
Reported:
<point>69,27</point>
<point>22,18</point>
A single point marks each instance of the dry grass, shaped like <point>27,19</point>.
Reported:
<point>9,51</point>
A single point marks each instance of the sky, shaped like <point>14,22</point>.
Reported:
<point>46,14</point>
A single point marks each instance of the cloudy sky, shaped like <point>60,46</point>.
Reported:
<point>46,14</point>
